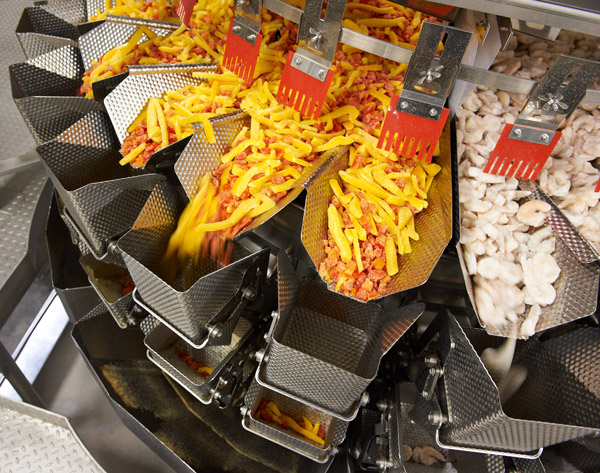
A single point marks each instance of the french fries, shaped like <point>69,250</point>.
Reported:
<point>170,118</point>
<point>160,10</point>
<point>269,412</point>
<point>203,42</point>
<point>371,218</point>
<point>264,164</point>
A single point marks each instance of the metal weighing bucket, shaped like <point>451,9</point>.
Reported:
<point>101,197</point>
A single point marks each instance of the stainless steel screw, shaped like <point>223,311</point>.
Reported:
<point>251,37</point>
<point>321,73</point>
<point>545,138</point>
<point>517,132</point>
<point>404,104</point>
<point>236,29</point>
<point>433,112</point>
<point>298,61</point>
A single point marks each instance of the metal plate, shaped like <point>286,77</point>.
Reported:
<point>35,439</point>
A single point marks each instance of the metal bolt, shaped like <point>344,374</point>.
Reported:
<point>298,62</point>
<point>433,112</point>
<point>545,137</point>
<point>431,360</point>
<point>437,418</point>
<point>321,73</point>
<point>517,132</point>
<point>236,29</point>
<point>251,37</point>
<point>244,410</point>
<point>382,464</point>
<point>404,104</point>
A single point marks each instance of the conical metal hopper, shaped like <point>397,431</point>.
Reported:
<point>204,294</point>
<point>471,402</point>
<point>109,280</point>
<point>325,347</point>
<point>200,157</point>
<point>126,101</point>
<point>101,197</point>
<point>335,429</point>
<point>434,224</point>
<point>56,73</point>
<point>39,32</point>
<point>115,31</point>
<point>576,287</point>
<point>72,11</point>
<point>48,117</point>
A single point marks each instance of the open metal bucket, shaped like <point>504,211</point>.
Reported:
<point>325,347</point>
<point>101,197</point>
<point>198,295</point>
<point>471,401</point>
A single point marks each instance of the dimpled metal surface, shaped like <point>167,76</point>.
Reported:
<point>572,394</point>
<point>129,98</point>
<point>200,292</point>
<point>47,117</point>
<point>335,429</point>
<point>57,73</point>
<point>200,156</point>
<point>326,347</point>
<point>41,20</point>
<point>434,224</point>
<point>36,44</point>
<point>34,439</point>
<point>100,196</point>
<point>115,31</point>
<point>166,345</point>
<point>73,11</point>
<point>576,294</point>
<point>561,225</point>
<point>475,416</point>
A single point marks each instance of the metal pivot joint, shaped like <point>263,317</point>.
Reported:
<point>429,79</point>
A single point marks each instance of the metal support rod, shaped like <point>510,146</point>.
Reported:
<point>16,378</point>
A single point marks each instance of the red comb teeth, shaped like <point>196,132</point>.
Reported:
<point>184,10</point>
<point>518,158</point>
<point>301,91</point>
<point>240,56</point>
<point>416,134</point>
<point>597,189</point>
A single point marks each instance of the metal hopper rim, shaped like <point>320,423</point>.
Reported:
<point>203,397</point>
<point>234,348</point>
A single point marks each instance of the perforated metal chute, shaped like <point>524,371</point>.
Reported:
<point>434,224</point>
<point>576,287</point>
<point>101,197</point>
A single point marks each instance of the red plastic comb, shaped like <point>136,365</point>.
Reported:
<point>519,158</point>
<point>241,55</point>
<point>184,10</point>
<point>301,91</point>
<point>416,134</point>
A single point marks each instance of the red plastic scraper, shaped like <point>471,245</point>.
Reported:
<point>244,40</point>
<point>307,74</point>
<point>524,147</point>
<point>184,10</point>
<point>417,117</point>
